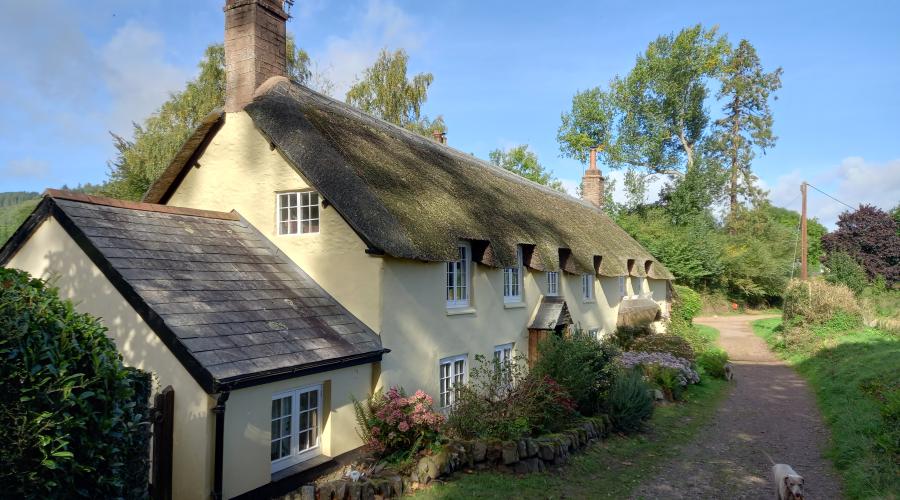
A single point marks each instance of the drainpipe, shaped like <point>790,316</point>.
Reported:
<point>219,410</point>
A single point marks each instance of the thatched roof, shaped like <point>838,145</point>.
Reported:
<point>414,198</point>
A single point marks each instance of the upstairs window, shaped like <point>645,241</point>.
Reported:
<point>621,287</point>
<point>552,283</point>
<point>298,213</point>
<point>587,286</point>
<point>452,373</point>
<point>512,280</point>
<point>458,278</point>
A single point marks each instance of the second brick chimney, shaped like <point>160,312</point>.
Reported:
<point>592,183</point>
<point>255,48</point>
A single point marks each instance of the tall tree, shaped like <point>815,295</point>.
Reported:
<point>521,161</point>
<point>870,236</point>
<point>653,118</point>
<point>386,92</point>
<point>747,122</point>
<point>140,160</point>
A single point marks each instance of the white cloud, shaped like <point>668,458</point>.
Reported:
<point>136,75</point>
<point>853,181</point>
<point>382,24</point>
<point>25,169</point>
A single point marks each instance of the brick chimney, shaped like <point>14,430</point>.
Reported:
<point>255,48</point>
<point>593,182</point>
<point>440,137</point>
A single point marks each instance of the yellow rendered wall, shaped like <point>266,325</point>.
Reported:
<point>240,171</point>
<point>248,417</point>
<point>51,254</point>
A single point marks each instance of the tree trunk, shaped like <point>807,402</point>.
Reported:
<point>735,159</point>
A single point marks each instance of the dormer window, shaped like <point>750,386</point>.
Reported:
<point>512,280</point>
<point>458,277</point>
<point>587,287</point>
<point>552,283</point>
<point>298,212</point>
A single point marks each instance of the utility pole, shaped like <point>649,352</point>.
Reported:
<point>803,243</point>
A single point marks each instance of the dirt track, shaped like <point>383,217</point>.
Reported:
<point>770,409</point>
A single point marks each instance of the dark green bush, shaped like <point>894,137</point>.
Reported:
<point>843,269</point>
<point>686,304</point>
<point>625,336</point>
<point>582,365</point>
<point>630,402</point>
<point>713,362</point>
<point>671,344</point>
<point>74,419</point>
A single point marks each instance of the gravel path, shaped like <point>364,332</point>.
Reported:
<point>771,409</point>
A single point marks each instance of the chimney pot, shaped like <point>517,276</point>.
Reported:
<point>255,48</point>
<point>439,136</point>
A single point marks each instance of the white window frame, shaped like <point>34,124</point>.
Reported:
<point>553,283</point>
<point>512,281</point>
<point>595,333</point>
<point>622,289</point>
<point>282,203</point>
<point>503,353</point>
<point>452,286</point>
<point>587,287</point>
<point>446,393</point>
<point>296,455</point>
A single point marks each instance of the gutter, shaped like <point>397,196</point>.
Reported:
<point>219,461</point>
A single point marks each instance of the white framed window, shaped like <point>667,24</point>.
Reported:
<point>621,280</point>
<point>552,283</point>
<point>595,334</point>
<point>452,372</point>
<point>296,426</point>
<point>458,278</point>
<point>503,353</point>
<point>587,287</point>
<point>512,280</point>
<point>298,212</point>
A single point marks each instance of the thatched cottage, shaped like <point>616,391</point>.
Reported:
<point>297,253</point>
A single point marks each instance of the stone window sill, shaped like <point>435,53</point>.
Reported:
<point>513,305</point>
<point>460,311</point>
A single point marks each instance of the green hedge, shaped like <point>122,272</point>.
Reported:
<point>75,420</point>
<point>687,303</point>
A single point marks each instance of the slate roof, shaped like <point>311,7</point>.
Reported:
<point>410,197</point>
<point>234,309</point>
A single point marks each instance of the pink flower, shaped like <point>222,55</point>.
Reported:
<point>376,430</point>
<point>403,426</point>
<point>420,394</point>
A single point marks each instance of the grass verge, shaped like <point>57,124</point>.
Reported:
<point>608,469</point>
<point>856,377</point>
<point>708,333</point>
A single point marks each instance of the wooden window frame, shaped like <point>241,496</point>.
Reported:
<point>298,208</point>
<point>297,455</point>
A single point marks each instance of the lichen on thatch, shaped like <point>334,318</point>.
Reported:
<point>414,198</point>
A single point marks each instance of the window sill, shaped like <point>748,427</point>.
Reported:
<point>459,311</point>
<point>589,301</point>
<point>513,305</point>
<point>299,467</point>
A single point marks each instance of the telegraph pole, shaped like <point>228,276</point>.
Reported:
<point>803,242</point>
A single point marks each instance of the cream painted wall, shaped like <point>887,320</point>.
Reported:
<point>248,419</point>
<point>239,171</point>
<point>51,254</point>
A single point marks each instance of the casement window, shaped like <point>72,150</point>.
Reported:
<point>503,353</point>
<point>621,287</point>
<point>452,372</point>
<point>595,333</point>
<point>587,287</point>
<point>552,283</point>
<point>458,278</point>
<point>296,426</point>
<point>512,280</point>
<point>298,213</point>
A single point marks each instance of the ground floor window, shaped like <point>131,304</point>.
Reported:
<point>452,372</point>
<point>296,426</point>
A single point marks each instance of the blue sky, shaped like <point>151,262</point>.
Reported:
<point>503,74</point>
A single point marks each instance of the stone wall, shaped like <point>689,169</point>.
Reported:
<point>523,456</point>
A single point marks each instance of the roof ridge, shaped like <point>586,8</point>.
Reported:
<point>60,194</point>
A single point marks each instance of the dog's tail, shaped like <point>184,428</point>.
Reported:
<point>767,456</point>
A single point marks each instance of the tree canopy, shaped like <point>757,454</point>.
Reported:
<point>521,161</point>
<point>869,235</point>
<point>385,91</point>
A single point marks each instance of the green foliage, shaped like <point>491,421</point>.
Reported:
<point>74,419</point>
<point>386,92</point>
<point>583,366</point>
<point>672,344</point>
<point>396,427</point>
<point>630,402</point>
<point>817,301</point>
<point>687,304</point>
<point>853,372</point>
<point>519,160</point>
<point>13,212</point>
<point>666,379</point>
<point>505,401</point>
<point>141,160</point>
<point>625,336</point>
<point>713,361</point>
<point>843,269</point>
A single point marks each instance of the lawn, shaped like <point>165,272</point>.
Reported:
<point>856,377</point>
<point>608,469</point>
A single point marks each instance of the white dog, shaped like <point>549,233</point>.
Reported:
<point>789,483</point>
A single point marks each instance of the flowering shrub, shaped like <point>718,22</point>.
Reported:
<point>395,426</point>
<point>668,372</point>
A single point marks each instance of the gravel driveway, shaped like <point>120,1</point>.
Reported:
<point>771,409</point>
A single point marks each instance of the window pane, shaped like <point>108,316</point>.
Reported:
<point>276,429</point>
<point>276,408</point>
<point>314,212</point>
<point>292,199</point>
<point>313,399</point>
<point>286,404</point>
<point>305,227</point>
<point>314,199</point>
<point>304,199</point>
<point>304,213</point>
<point>304,402</point>
<point>292,227</point>
<point>292,213</point>
<point>285,447</point>
<point>314,226</point>
<point>276,447</point>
